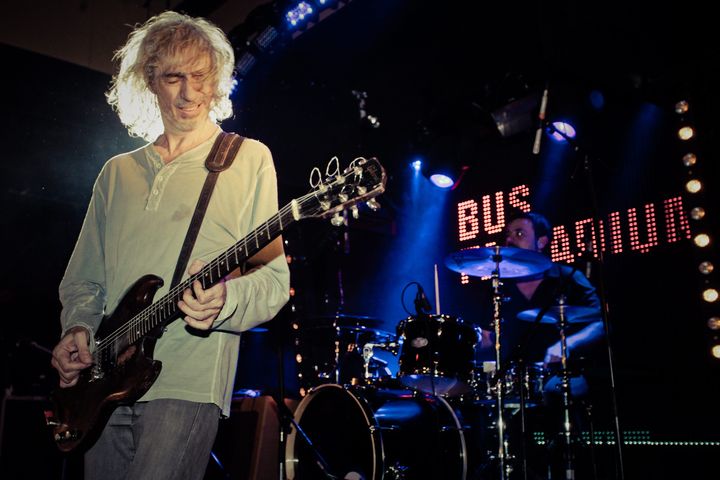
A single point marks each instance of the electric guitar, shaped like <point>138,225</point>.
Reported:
<point>123,368</point>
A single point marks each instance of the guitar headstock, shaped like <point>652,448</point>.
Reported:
<point>362,181</point>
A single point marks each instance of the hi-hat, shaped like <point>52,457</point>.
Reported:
<point>572,314</point>
<point>511,262</point>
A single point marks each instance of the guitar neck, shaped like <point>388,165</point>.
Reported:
<point>165,310</point>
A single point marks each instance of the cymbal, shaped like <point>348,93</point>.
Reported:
<point>513,262</point>
<point>572,314</point>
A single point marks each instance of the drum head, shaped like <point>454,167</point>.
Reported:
<point>339,427</point>
<point>374,433</point>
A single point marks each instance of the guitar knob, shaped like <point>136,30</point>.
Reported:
<point>337,220</point>
<point>373,204</point>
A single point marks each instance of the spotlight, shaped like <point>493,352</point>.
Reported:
<point>697,213</point>
<point>713,323</point>
<point>710,295</point>
<point>693,186</point>
<point>517,116</point>
<point>243,65</point>
<point>297,15</point>
<point>686,133</point>
<point>682,107</point>
<point>444,175</point>
<point>441,180</point>
<point>563,130</point>
<point>702,240</point>
<point>716,351</point>
<point>689,159</point>
<point>706,268</point>
<point>416,165</point>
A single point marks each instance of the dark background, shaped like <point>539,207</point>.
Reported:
<point>433,73</point>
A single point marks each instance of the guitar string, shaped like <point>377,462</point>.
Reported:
<point>148,312</point>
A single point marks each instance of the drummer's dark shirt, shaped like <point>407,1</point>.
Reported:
<point>526,339</point>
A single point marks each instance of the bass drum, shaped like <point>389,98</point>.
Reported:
<point>370,433</point>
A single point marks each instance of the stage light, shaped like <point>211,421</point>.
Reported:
<point>244,63</point>
<point>706,267</point>
<point>416,165</point>
<point>517,116</point>
<point>686,133</point>
<point>693,186</point>
<point>716,351</point>
<point>689,159</point>
<point>443,174</point>
<point>710,295</point>
<point>298,358</point>
<point>297,15</point>
<point>702,240</point>
<point>713,323</point>
<point>266,38</point>
<point>441,180</point>
<point>682,107</point>
<point>697,213</point>
<point>562,130</point>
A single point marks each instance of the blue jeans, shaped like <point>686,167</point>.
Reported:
<point>156,440</point>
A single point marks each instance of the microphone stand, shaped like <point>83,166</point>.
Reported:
<point>587,167</point>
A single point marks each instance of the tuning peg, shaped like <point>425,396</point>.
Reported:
<point>373,204</point>
<point>355,212</point>
<point>337,220</point>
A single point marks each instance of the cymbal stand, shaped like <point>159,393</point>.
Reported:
<point>565,387</point>
<point>503,464</point>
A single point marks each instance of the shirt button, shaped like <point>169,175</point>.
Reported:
<point>155,192</point>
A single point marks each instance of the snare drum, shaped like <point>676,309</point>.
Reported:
<point>437,354</point>
<point>373,434</point>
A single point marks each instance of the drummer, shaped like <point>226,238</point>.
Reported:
<point>525,339</point>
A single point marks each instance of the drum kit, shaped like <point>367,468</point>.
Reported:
<point>357,421</point>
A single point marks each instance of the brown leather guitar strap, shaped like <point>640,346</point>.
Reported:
<point>220,158</point>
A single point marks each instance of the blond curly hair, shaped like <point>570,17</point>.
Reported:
<point>161,37</point>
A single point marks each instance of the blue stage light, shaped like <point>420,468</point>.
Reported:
<point>441,180</point>
<point>561,128</point>
<point>297,15</point>
<point>416,165</point>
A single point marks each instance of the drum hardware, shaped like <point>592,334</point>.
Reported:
<point>562,323</point>
<point>329,348</point>
<point>563,315</point>
<point>499,263</point>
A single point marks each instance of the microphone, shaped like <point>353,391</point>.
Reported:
<point>541,117</point>
<point>422,304</point>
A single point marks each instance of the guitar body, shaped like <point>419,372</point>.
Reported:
<point>81,411</point>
